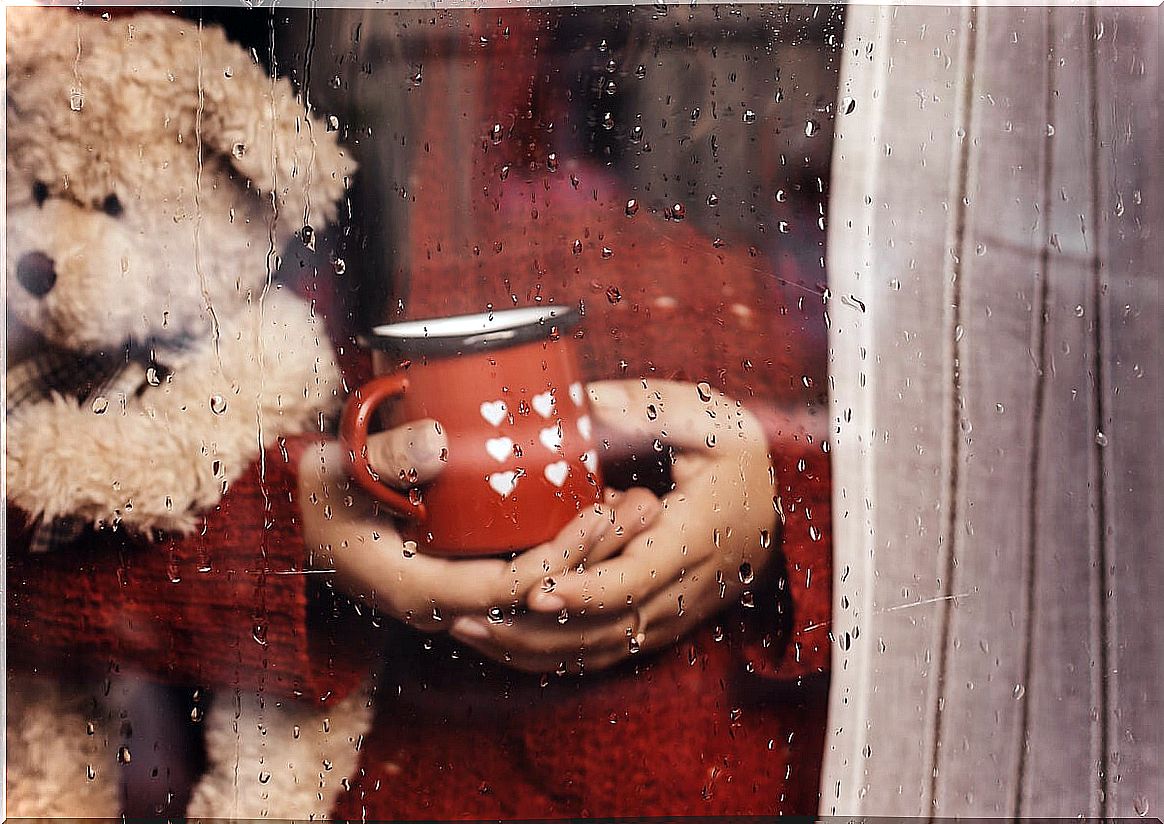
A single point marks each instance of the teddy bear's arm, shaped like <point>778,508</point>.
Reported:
<point>159,460</point>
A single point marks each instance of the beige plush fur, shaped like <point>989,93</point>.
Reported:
<point>213,166</point>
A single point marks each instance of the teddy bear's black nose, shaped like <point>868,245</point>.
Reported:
<point>37,273</point>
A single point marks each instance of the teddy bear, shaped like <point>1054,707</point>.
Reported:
<point>154,172</point>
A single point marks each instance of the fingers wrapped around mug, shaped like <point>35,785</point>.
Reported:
<point>409,454</point>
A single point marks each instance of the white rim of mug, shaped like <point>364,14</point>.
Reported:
<point>474,332</point>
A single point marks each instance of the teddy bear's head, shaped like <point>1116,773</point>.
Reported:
<point>153,173</point>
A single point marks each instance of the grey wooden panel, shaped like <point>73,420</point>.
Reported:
<point>978,733</point>
<point>891,401</point>
<point>1131,188</point>
<point>1064,637</point>
<point>1030,683</point>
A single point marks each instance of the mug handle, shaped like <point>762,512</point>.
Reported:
<point>357,416</point>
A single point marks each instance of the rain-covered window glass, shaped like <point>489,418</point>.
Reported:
<point>459,413</point>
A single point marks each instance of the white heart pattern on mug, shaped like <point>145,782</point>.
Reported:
<point>499,448</point>
<point>494,412</point>
<point>556,473</point>
<point>543,404</point>
<point>590,462</point>
<point>551,437</point>
<point>576,394</point>
<point>584,428</point>
<point>503,483</point>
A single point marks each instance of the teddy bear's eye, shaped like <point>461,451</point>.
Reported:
<point>111,206</point>
<point>40,192</point>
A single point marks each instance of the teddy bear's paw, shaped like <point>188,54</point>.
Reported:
<point>286,760</point>
<point>60,759</point>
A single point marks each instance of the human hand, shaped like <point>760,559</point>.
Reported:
<point>356,537</point>
<point>701,553</point>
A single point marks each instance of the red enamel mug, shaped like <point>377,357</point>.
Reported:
<point>507,391</point>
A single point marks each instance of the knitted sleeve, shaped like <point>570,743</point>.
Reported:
<point>231,604</point>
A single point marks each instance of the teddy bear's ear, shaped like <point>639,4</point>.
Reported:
<point>266,134</point>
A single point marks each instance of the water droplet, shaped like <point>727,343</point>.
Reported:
<point>264,777</point>
<point>765,538</point>
<point>217,404</point>
<point>339,265</point>
<point>152,376</point>
<point>695,114</point>
<point>636,134</point>
<point>418,76</point>
<point>641,71</point>
<point>634,644</point>
<point>196,715</point>
<point>1050,130</point>
<point>552,162</point>
<point>90,773</point>
<point>123,755</point>
<point>710,440</point>
<point>611,88</point>
<point>1141,805</point>
<point>811,128</point>
<point>747,599</point>
<point>563,616</point>
<point>749,116</point>
<point>408,550</point>
<point>713,199</point>
<point>100,404</point>
<point>678,212</point>
<point>238,150</point>
<point>332,123</point>
<point>613,295</point>
<point>1079,310</point>
<point>1100,438</point>
<point>259,633</point>
<point>415,496</point>
<point>652,412</point>
<point>608,121</point>
<point>848,105</point>
<point>746,574</point>
<point>607,253</point>
<point>632,207</point>
<point>495,133</point>
<point>999,408</point>
<point>1019,691</point>
<point>703,389</point>
<point>577,247</point>
<point>495,615</point>
<point>76,100</point>
<point>295,732</point>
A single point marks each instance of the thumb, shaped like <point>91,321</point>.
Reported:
<point>409,454</point>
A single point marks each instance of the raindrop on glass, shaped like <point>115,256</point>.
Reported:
<point>749,116</point>
<point>713,199</point>
<point>632,207</point>
<point>811,128</point>
<point>100,404</point>
<point>678,212</point>
<point>123,755</point>
<point>608,121</point>
<point>613,295</point>
<point>217,404</point>
<point>848,105</point>
<point>495,133</point>
<point>703,389</point>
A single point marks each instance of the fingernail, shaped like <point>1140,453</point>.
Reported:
<point>541,601</point>
<point>425,445</point>
<point>469,629</point>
